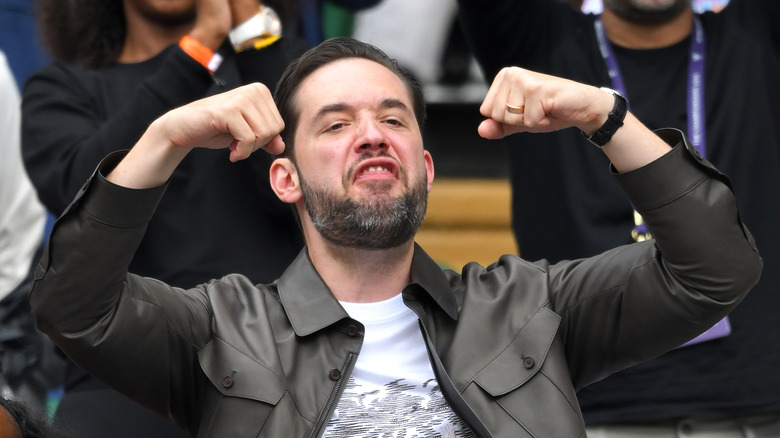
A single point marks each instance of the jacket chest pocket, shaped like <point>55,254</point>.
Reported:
<point>242,395</point>
<point>530,381</point>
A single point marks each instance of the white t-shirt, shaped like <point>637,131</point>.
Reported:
<point>392,391</point>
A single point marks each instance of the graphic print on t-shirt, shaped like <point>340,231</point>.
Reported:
<point>392,391</point>
<point>398,409</point>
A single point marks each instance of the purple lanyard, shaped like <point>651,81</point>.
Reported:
<point>696,122</point>
<point>696,128</point>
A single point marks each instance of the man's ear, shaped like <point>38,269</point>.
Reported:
<point>428,168</point>
<point>284,180</point>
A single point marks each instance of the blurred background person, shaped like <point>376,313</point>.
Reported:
<point>33,370</point>
<point>420,44</point>
<point>22,222</point>
<point>699,6</point>
<point>308,18</point>
<point>720,71</point>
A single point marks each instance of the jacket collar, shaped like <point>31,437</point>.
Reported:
<point>427,275</point>
<point>310,305</point>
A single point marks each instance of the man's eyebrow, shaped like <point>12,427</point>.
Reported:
<point>331,108</point>
<point>394,103</point>
<point>338,107</point>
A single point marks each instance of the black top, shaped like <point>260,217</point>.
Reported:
<point>565,207</point>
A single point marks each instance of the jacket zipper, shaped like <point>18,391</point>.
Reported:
<point>456,402</point>
<point>335,395</point>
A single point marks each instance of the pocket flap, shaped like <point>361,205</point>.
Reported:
<point>235,374</point>
<point>524,356</point>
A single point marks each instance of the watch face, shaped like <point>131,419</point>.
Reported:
<point>273,25</point>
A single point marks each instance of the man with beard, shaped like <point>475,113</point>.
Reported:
<point>364,334</point>
<point>712,75</point>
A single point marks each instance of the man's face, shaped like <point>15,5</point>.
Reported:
<point>362,169</point>
<point>647,11</point>
<point>166,12</point>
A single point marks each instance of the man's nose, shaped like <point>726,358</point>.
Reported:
<point>371,136</point>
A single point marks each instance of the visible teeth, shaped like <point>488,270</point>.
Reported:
<point>376,169</point>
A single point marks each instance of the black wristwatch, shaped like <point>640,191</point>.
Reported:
<point>614,120</point>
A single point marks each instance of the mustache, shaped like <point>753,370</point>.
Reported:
<point>368,155</point>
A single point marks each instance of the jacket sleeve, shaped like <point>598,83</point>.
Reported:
<point>136,334</point>
<point>637,301</point>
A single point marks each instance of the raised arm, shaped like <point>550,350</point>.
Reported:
<point>243,120</point>
<point>520,100</point>
<point>634,302</point>
<point>85,299</point>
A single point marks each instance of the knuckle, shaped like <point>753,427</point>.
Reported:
<point>262,89</point>
<point>514,72</point>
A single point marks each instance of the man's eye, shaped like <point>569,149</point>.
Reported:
<point>394,122</point>
<point>335,126</point>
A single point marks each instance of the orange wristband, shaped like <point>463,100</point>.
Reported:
<point>200,53</point>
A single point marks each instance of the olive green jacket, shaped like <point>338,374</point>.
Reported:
<point>510,344</point>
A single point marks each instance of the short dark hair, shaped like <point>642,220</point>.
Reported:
<point>329,51</point>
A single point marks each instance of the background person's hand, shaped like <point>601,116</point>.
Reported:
<point>212,22</point>
<point>243,10</point>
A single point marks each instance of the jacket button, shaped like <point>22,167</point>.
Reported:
<point>528,362</point>
<point>334,374</point>
<point>227,382</point>
<point>352,329</point>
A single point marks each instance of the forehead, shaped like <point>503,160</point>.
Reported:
<point>355,81</point>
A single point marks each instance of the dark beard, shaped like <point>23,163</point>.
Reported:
<point>628,11</point>
<point>378,223</point>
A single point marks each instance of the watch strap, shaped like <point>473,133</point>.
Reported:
<point>614,120</point>
<point>255,27</point>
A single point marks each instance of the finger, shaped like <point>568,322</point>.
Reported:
<point>489,129</point>
<point>265,119</point>
<point>492,130</point>
<point>275,146</point>
<point>536,116</point>
<point>515,109</point>
<point>505,100</point>
<point>486,109</point>
<point>245,140</point>
<point>501,98</point>
<point>241,149</point>
<point>515,99</point>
